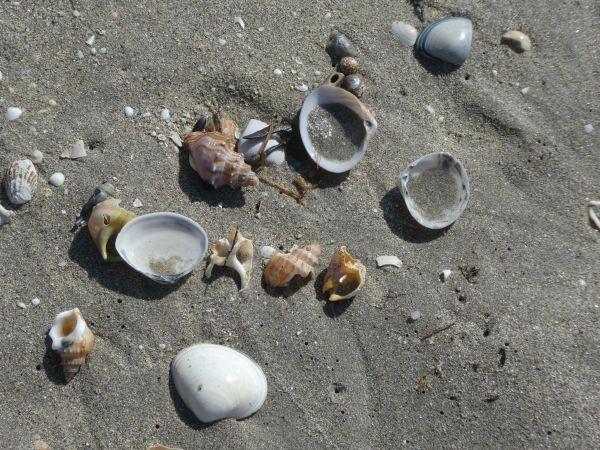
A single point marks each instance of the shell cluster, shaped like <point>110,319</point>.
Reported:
<point>72,340</point>
<point>352,81</point>
<point>282,267</point>
<point>234,252</point>
<point>21,181</point>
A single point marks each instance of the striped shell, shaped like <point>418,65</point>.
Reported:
<point>212,156</point>
<point>21,181</point>
<point>282,267</point>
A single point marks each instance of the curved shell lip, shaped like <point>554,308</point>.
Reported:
<point>251,409</point>
<point>426,162</point>
<point>168,219</point>
<point>57,340</point>
<point>327,95</point>
<point>456,50</point>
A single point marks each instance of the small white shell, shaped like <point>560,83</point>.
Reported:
<point>330,95</point>
<point>250,147</point>
<point>12,113</point>
<point>36,156</point>
<point>435,188</point>
<point>77,150</point>
<point>56,179</point>
<point>21,181</point>
<point>163,246</point>
<point>444,275</point>
<point>406,33</point>
<point>447,39</point>
<point>217,382</point>
<point>388,260</point>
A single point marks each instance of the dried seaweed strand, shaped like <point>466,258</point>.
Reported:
<point>303,185</point>
<point>437,330</point>
<point>262,153</point>
<point>283,190</point>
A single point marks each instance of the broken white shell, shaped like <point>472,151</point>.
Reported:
<point>21,181</point>
<point>435,188</point>
<point>250,147</point>
<point>77,150</point>
<point>331,95</point>
<point>163,246</point>
<point>217,382</point>
<point>235,252</point>
<point>388,260</point>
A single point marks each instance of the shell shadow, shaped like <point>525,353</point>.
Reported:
<point>198,191</point>
<point>184,413</point>
<point>434,66</point>
<point>51,363</point>
<point>118,277</point>
<point>400,221</point>
<point>222,271</point>
<point>331,309</point>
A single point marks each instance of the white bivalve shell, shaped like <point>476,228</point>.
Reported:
<point>448,39</point>
<point>217,382</point>
<point>20,181</point>
<point>250,147</point>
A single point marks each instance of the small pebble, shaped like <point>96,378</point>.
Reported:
<point>317,73</point>
<point>13,113</point>
<point>494,72</point>
<point>261,29</point>
<point>79,54</point>
<point>137,203</point>
<point>429,109</point>
<point>93,50</point>
<point>525,90</point>
<point>114,15</point>
<point>146,114</point>
<point>161,137</point>
<point>221,41</point>
<point>22,305</point>
<point>62,264</point>
<point>128,111</point>
<point>165,114</point>
<point>278,72</point>
<point>141,347</point>
<point>76,13</point>
<point>445,275</point>
<point>327,16</point>
<point>415,315</point>
<point>582,283</point>
<point>90,41</point>
<point>35,301</point>
<point>103,50</point>
<point>302,88</point>
<point>63,212</point>
<point>162,346</point>
<point>52,102</point>
<point>588,128</point>
<point>57,179</point>
<point>36,156</point>
<point>0,76</point>
<point>238,20</point>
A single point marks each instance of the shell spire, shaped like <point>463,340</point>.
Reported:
<point>235,252</point>
<point>213,157</point>
<point>345,276</point>
<point>282,267</point>
<point>72,340</point>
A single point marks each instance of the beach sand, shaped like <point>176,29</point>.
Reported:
<point>520,367</point>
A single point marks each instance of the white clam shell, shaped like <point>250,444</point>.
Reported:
<point>444,162</point>
<point>163,246</point>
<point>217,382</point>
<point>406,33</point>
<point>447,39</point>
<point>328,95</point>
<point>250,147</point>
<point>21,181</point>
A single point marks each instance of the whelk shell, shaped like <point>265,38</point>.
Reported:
<point>213,157</point>
<point>235,252</point>
<point>21,181</point>
<point>217,382</point>
<point>345,276</point>
<point>163,246</point>
<point>106,221</point>
<point>72,340</point>
<point>447,39</point>
<point>282,267</point>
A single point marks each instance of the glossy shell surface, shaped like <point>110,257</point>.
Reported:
<point>163,246</point>
<point>218,382</point>
<point>327,95</point>
<point>404,32</point>
<point>447,39</point>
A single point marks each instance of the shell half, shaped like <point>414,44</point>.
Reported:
<point>217,382</point>
<point>448,39</point>
<point>21,181</point>
<point>345,276</point>
<point>163,246</point>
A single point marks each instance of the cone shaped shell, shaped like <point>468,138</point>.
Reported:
<point>21,181</point>
<point>212,156</point>
<point>106,221</point>
<point>345,276</point>
<point>72,340</point>
<point>447,39</point>
<point>282,267</point>
<point>217,382</point>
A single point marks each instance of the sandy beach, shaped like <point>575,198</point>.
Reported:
<point>519,364</point>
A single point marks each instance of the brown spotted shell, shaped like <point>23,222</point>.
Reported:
<point>213,157</point>
<point>20,181</point>
<point>282,267</point>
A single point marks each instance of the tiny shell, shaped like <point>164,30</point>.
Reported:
<point>250,147</point>
<point>354,83</point>
<point>444,275</point>
<point>57,179</point>
<point>72,340</point>
<point>106,221</point>
<point>339,46</point>
<point>21,181</point>
<point>348,65</point>
<point>12,113</point>
<point>388,260</point>
<point>5,215</point>
<point>281,267</point>
<point>517,40</point>
<point>36,156</point>
<point>218,382</point>
<point>77,150</point>
<point>447,39</point>
<point>235,252</point>
<point>345,276</point>
<point>406,33</point>
<point>212,156</point>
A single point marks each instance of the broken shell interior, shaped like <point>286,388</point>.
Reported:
<point>250,148</point>
<point>448,39</point>
<point>345,276</point>
<point>163,246</point>
<point>234,252</point>
<point>106,221</point>
<point>217,382</point>
<point>435,188</point>
<point>388,260</point>
<point>335,128</point>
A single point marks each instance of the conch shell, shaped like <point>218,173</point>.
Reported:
<point>106,220</point>
<point>345,276</point>
<point>21,181</point>
<point>72,339</point>
<point>282,267</point>
<point>213,157</point>
<point>234,252</point>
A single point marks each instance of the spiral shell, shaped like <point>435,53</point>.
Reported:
<point>72,340</point>
<point>21,181</point>
<point>282,267</point>
<point>345,276</point>
<point>106,220</point>
<point>212,156</point>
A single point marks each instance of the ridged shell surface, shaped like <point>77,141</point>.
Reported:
<point>447,39</point>
<point>217,382</point>
<point>21,181</point>
<point>213,157</point>
<point>282,267</point>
